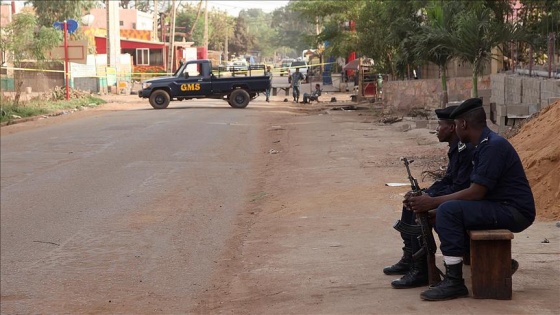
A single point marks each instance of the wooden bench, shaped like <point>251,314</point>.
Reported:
<point>490,261</point>
<point>285,88</point>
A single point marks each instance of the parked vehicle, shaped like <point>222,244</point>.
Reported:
<point>285,66</point>
<point>235,67</point>
<point>195,79</point>
<point>301,65</point>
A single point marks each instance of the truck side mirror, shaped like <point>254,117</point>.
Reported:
<point>186,75</point>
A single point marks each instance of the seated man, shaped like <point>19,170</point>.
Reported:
<point>456,178</point>
<point>307,98</point>
<point>499,197</point>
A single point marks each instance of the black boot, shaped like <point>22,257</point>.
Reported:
<point>417,276</point>
<point>402,266</point>
<point>514,266</point>
<point>452,286</point>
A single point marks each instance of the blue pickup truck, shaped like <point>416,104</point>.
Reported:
<point>195,79</point>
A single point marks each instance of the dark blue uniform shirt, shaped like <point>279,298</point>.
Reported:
<point>497,166</point>
<point>457,174</point>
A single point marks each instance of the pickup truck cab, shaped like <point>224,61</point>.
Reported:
<point>195,79</point>
<point>285,66</point>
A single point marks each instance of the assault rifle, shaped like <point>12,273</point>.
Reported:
<point>423,231</point>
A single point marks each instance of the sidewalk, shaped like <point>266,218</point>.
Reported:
<point>318,240</point>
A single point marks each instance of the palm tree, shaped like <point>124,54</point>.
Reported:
<point>476,33</point>
<point>434,34</point>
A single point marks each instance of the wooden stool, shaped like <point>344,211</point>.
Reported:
<point>490,259</point>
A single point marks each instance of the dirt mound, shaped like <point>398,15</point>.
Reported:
<point>538,145</point>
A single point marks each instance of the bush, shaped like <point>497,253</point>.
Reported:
<point>47,104</point>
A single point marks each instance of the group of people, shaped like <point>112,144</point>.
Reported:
<point>295,80</point>
<point>484,187</point>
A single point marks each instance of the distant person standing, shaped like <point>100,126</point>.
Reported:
<point>268,73</point>
<point>379,86</point>
<point>295,79</point>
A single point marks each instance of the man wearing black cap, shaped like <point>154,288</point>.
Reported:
<point>499,197</point>
<point>456,178</point>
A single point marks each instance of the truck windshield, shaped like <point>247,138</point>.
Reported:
<point>179,70</point>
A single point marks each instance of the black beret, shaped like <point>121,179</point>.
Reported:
<point>466,106</point>
<point>444,113</point>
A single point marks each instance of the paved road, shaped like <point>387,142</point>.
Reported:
<point>184,211</point>
<point>129,208</point>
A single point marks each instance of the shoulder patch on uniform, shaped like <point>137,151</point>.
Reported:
<point>461,146</point>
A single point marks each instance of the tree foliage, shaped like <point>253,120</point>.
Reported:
<point>52,11</point>
<point>293,32</point>
<point>27,41</point>
<point>477,33</point>
<point>334,21</point>
<point>436,27</point>
<point>241,42</point>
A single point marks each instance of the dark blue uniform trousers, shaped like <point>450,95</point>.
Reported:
<point>455,217</point>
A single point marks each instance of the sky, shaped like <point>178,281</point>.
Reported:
<point>233,7</point>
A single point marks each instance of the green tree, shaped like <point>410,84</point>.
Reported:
<point>476,33</point>
<point>385,29</point>
<point>241,42</point>
<point>435,30</point>
<point>329,22</point>
<point>52,11</point>
<point>190,21</point>
<point>221,26</point>
<point>292,31</point>
<point>259,27</point>
<point>540,18</point>
<point>25,40</point>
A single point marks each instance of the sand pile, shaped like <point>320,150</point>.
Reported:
<point>538,145</point>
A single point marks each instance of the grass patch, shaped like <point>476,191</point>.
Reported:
<point>41,106</point>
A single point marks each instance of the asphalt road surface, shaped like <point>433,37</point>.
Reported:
<point>129,205</point>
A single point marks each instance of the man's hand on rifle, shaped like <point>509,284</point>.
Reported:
<point>421,203</point>
<point>406,198</point>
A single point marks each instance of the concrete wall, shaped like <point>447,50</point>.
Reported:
<point>40,81</point>
<point>516,97</point>
<point>408,94</point>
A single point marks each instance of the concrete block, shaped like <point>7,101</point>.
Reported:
<point>432,125</point>
<point>552,100</point>
<point>501,120</point>
<point>517,110</point>
<point>501,110</point>
<point>421,124</point>
<point>534,108</point>
<point>486,108</point>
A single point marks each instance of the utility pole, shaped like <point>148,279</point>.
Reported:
<point>226,50</point>
<point>171,61</point>
<point>113,35</point>
<point>155,24</point>
<point>206,27</point>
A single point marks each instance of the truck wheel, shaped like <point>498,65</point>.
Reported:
<point>159,99</point>
<point>239,98</point>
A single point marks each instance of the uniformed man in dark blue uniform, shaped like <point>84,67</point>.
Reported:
<point>499,197</point>
<point>456,178</point>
